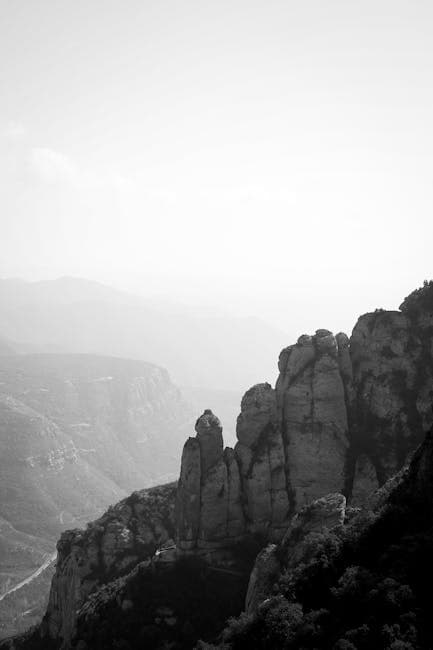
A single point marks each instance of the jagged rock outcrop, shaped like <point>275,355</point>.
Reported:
<point>313,416</point>
<point>125,535</point>
<point>392,369</point>
<point>188,498</point>
<point>213,483</point>
<point>325,513</point>
<point>261,457</point>
<point>319,516</point>
<point>344,417</point>
<point>209,512</point>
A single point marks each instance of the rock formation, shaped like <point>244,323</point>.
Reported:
<point>125,535</point>
<point>313,415</point>
<point>324,514</point>
<point>344,416</point>
<point>209,512</point>
<point>346,582</point>
<point>392,369</point>
<point>261,456</point>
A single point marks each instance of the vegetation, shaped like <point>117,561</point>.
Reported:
<point>366,586</point>
<point>419,300</point>
<point>153,606</point>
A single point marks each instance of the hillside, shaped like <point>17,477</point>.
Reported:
<point>363,581</point>
<point>77,432</point>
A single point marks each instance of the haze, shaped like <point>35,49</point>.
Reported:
<point>266,158</point>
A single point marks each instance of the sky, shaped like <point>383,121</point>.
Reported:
<point>270,158</point>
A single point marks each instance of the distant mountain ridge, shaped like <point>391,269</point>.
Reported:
<point>76,315</point>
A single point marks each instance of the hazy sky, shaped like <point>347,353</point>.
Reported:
<point>273,157</point>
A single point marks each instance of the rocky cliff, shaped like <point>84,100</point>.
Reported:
<point>344,416</point>
<point>125,535</point>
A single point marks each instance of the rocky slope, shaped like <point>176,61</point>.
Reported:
<point>351,580</point>
<point>344,416</point>
<point>128,533</point>
<point>77,432</point>
<point>124,570</point>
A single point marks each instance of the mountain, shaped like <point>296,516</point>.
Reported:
<point>170,564</point>
<point>73,315</point>
<point>347,580</point>
<point>77,432</point>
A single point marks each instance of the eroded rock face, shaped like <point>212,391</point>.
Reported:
<point>210,438</point>
<point>313,416</point>
<point>261,457</point>
<point>319,516</point>
<point>391,360</point>
<point>188,504</point>
<point>235,513</point>
<point>209,513</point>
<point>214,506</point>
<point>344,416</point>
<point>126,534</point>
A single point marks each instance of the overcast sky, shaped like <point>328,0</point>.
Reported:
<point>271,157</point>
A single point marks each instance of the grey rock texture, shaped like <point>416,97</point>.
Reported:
<point>188,495</point>
<point>319,516</point>
<point>261,457</point>
<point>392,370</point>
<point>313,416</point>
<point>126,534</point>
<point>209,512</point>
<point>323,514</point>
<point>210,438</point>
